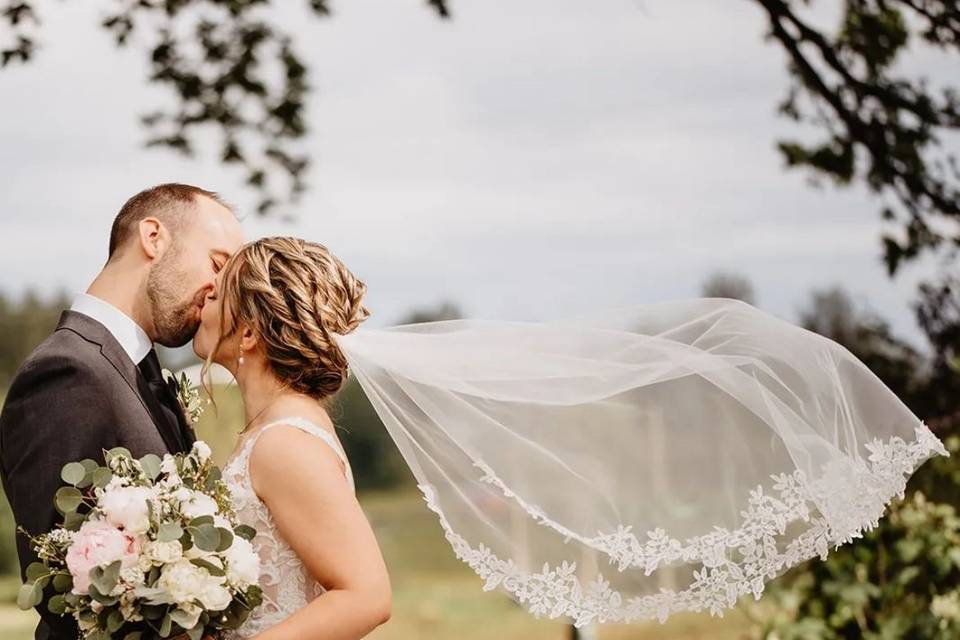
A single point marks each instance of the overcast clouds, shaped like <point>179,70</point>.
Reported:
<point>525,160</point>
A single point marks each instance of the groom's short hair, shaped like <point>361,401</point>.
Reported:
<point>164,201</point>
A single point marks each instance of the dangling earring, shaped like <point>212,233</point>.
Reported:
<point>240,361</point>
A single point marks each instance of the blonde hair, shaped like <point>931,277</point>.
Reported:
<point>293,294</point>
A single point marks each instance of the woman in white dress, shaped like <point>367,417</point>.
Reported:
<point>322,572</point>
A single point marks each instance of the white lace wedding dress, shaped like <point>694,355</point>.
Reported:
<point>287,585</point>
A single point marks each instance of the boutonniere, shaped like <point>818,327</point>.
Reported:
<point>187,395</point>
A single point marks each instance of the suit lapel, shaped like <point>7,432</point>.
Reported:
<point>93,331</point>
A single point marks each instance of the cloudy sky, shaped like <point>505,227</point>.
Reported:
<point>525,160</point>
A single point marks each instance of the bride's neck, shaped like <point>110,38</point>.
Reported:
<point>260,391</point>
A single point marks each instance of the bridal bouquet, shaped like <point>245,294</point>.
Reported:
<point>148,549</point>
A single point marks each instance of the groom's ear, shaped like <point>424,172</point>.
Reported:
<point>153,237</point>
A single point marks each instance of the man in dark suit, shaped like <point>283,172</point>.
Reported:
<point>96,383</point>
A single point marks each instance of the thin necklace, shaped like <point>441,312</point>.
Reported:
<point>259,413</point>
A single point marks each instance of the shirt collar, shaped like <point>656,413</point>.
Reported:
<point>131,336</point>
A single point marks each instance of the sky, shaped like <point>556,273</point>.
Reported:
<point>524,160</point>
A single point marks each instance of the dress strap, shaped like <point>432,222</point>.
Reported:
<point>310,427</point>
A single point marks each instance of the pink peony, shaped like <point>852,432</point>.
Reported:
<point>96,544</point>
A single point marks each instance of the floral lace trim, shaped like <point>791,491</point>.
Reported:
<point>850,497</point>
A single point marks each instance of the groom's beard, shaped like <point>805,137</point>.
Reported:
<point>175,320</point>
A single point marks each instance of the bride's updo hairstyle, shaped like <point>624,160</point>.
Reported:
<point>293,294</point>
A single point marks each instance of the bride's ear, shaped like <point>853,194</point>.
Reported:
<point>248,339</point>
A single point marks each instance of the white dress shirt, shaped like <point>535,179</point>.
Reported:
<point>128,333</point>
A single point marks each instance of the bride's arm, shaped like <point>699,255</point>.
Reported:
<point>301,480</point>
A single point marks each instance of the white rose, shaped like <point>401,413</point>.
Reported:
<point>126,507</point>
<point>183,582</point>
<point>164,552</point>
<point>202,449</point>
<point>182,494</point>
<point>168,464</point>
<point>243,563</point>
<point>199,504</point>
<point>215,597</point>
<point>144,562</point>
<point>132,576</point>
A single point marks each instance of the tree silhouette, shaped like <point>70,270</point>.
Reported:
<point>725,284</point>
<point>880,127</point>
<point>228,68</point>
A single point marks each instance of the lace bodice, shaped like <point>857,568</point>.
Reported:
<point>287,585</point>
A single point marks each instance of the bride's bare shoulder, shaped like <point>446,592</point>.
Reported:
<point>287,453</point>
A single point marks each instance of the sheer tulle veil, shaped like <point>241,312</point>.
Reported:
<point>643,460</point>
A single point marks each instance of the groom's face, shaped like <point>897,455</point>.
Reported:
<point>181,278</point>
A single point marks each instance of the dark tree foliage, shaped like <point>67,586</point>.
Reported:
<point>879,126</point>
<point>228,67</point>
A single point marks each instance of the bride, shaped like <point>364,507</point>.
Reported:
<point>623,465</point>
<point>288,475</point>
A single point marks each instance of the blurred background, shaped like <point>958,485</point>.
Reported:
<point>490,159</point>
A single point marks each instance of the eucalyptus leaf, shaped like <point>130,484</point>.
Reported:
<point>102,477</point>
<point>200,520</point>
<point>57,604</point>
<point>169,531</point>
<point>63,582</point>
<point>206,537</point>
<point>67,499</point>
<point>213,569</point>
<point>226,539</point>
<point>114,621</point>
<point>73,473</point>
<point>105,578</point>
<point>245,531</point>
<point>73,520</point>
<point>196,632</point>
<point>35,570</point>
<point>86,481</point>
<point>150,464</point>
<point>165,625</point>
<point>121,452</point>
<point>29,596</point>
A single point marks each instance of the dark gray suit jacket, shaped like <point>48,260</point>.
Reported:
<point>77,394</point>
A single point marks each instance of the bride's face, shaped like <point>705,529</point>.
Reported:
<point>208,334</point>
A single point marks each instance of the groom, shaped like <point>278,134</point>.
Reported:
<point>96,383</point>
